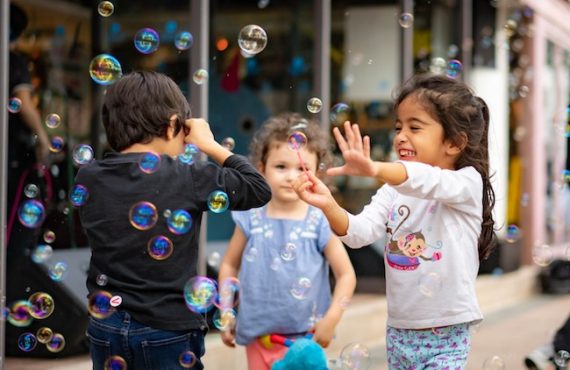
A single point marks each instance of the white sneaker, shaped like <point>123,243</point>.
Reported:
<point>540,358</point>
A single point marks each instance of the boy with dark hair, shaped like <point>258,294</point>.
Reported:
<point>140,251</point>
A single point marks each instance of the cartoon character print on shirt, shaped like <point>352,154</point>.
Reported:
<point>406,252</point>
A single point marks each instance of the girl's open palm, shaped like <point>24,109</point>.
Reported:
<point>355,151</point>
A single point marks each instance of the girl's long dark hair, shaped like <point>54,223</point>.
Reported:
<point>465,121</point>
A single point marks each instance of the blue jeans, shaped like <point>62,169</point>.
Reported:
<point>142,347</point>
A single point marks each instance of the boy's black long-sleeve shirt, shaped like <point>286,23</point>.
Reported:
<point>152,290</point>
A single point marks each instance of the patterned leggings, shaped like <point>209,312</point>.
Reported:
<point>441,348</point>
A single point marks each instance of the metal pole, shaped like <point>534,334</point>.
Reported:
<point>407,43</point>
<point>466,37</point>
<point>4,85</point>
<point>321,59</point>
<point>199,55</point>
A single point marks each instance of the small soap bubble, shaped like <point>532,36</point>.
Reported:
<point>200,293</point>
<point>251,254</point>
<point>183,40</point>
<point>44,334</point>
<point>27,342</point>
<point>179,222</point>
<point>523,91</point>
<point>510,27</point>
<point>187,359</point>
<point>56,144</point>
<point>218,201</point>
<point>160,248</point>
<point>355,356</point>
<point>31,213</point>
<point>41,305</point>
<point>191,154</point>
<point>314,105</point>
<point>406,20</point>
<point>494,363</point>
<point>58,271</point>
<point>228,294</point>
<point>82,154</point>
<point>78,195</point>
<point>19,314</point>
<point>288,252</point>
<point>430,284</point>
<point>200,76</point>
<point>101,279</point>
<point>262,4</point>
<point>99,304</point>
<point>31,191</point>
<point>542,255</point>
<point>115,363</point>
<point>143,215</point>
<point>300,288</point>
<point>214,259</point>
<point>149,162</point>
<point>340,113</point>
<point>229,143</point>
<point>105,69</point>
<point>53,120</point>
<point>14,105</point>
<point>454,68</point>
<point>42,253</point>
<point>146,40</point>
<point>297,140</point>
<point>56,344</point>
<point>561,358</point>
<point>252,39</point>
<point>224,319</point>
<point>105,8</point>
<point>49,236</point>
<point>167,213</point>
<point>513,234</point>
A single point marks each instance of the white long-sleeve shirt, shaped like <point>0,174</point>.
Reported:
<point>431,224</point>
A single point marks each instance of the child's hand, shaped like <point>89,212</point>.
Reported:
<point>324,332</point>
<point>355,151</point>
<point>228,337</point>
<point>312,190</point>
<point>199,133</point>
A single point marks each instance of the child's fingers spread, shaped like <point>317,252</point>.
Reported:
<point>349,134</point>
<point>342,145</point>
<point>366,146</point>
<point>357,137</point>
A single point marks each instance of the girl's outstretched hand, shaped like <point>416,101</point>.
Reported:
<point>312,190</point>
<point>355,151</point>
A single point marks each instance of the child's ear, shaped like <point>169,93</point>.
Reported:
<point>455,148</point>
<point>260,167</point>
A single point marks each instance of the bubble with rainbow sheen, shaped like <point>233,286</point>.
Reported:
<point>160,247</point>
<point>14,105</point>
<point>78,195</point>
<point>224,319</point>
<point>179,222</point>
<point>105,8</point>
<point>187,359</point>
<point>105,69</point>
<point>146,40</point>
<point>115,363</point>
<point>314,105</point>
<point>355,356</point>
<point>252,39</point>
<point>149,162</point>
<point>99,304</point>
<point>297,140</point>
<point>340,113</point>
<point>31,190</point>
<point>454,68</point>
<point>513,234</point>
<point>228,294</point>
<point>200,76</point>
<point>42,253</point>
<point>229,143</point>
<point>183,40</point>
<point>58,271</point>
<point>143,215</point>
<point>49,236</point>
<point>300,288</point>
<point>56,144</point>
<point>41,305</point>
<point>27,342</point>
<point>19,314</point>
<point>82,154</point>
<point>288,252</point>
<point>56,344</point>
<point>53,120</point>
<point>406,20</point>
<point>218,201</point>
<point>200,293</point>
<point>44,334</point>
<point>31,213</point>
<point>191,154</point>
